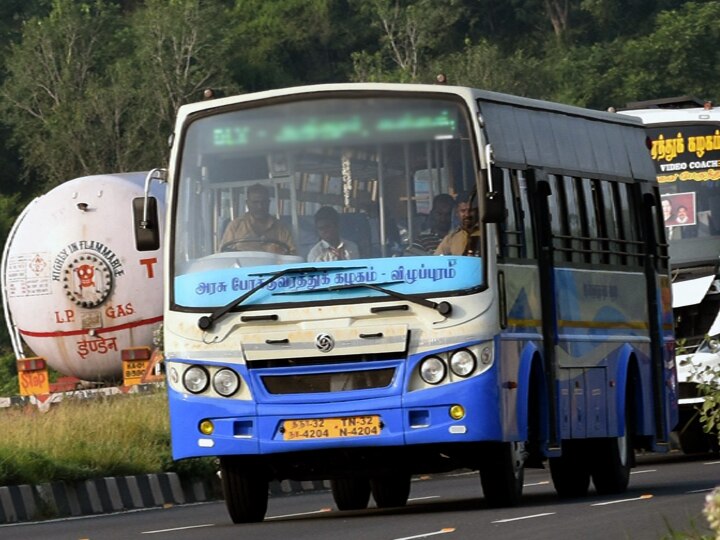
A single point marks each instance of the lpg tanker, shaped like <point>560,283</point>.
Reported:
<point>76,291</point>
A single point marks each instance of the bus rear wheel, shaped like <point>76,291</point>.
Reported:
<point>246,494</point>
<point>611,465</point>
<point>503,473</point>
<point>570,472</point>
<point>350,493</point>
<point>391,491</point>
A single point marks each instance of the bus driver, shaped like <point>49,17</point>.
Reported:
<point>257,230</point>
<point>465,240</point>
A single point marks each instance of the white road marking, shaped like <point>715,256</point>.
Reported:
<point>423,498</point>
<point>321,511</point>
<point>524,517</point>
<point>643,471</point>
<point>640,498</point>
<point>712,463</point>
<point>471,473</point>
<point>179,528</point>
<point>543,483</point>
<point>441,531</point>
<point>700,490</point>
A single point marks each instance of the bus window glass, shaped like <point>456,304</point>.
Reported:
<point>511,233</point>
<point>610,222</point>
<point>383,173</point>
<point>524,194</point>
<point>574,219</point>
<point>591,220</point>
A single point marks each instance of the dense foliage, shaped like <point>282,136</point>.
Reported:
<point>92,86</point>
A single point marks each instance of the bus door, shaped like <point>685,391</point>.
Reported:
<point>546,274</point>
<point>653,263</point>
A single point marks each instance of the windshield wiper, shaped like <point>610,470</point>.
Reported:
<point>206,321</point>
<point>443,308</point>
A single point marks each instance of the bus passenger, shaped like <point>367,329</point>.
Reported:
<point>437,224</point>
<point>331,246</point>
<point>465,240</point>
<point>257,230</point>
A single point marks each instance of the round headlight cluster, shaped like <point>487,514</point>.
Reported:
<point>463,363</point>
<point>226,382</point>
<point>432,370</point>
<point>196,379</point>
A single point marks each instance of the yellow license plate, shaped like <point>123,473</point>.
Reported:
<point>331,428</point>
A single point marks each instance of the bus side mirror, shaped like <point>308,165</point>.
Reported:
<point>495,211</point>
<point>146,224</point>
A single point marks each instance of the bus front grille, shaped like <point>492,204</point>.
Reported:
<point>342,381</point>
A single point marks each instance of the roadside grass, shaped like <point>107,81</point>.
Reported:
<point>79,439</point>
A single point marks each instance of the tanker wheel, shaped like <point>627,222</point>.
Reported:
<point>350,493</point>
<point>246,492</point>
<point>391,491</point>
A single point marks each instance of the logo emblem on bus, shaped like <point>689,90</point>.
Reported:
<point>324,342</point>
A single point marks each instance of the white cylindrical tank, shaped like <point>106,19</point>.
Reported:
<point>76,290</point>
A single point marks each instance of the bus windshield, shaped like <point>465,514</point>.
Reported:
<point>363,189</point>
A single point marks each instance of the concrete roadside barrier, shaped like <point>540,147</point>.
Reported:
<point>116,494</point>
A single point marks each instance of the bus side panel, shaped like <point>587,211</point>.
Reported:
<point>519,341</point>
<point>530,353</point>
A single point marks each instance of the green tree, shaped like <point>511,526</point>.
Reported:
<point>174,59</point>
<point>49,73</point>
<point>277,44</point>
<point>484,65</point>
<point>676,58</point>
<point>411,33</point>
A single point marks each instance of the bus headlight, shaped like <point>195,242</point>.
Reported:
<point>432,370</point>
<point>226,382</point>
<point>463,363</point>
<point>196,379</point>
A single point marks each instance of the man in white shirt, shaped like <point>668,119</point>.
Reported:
<point>331,246</point>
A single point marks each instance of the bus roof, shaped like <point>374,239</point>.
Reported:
<point>523,132</point>
<point>675,116</point>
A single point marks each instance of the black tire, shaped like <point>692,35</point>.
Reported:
<point>693,439</point>
<point>350,493</point>
<point>611,465</point>
<point>390,491</point>
<point>612,459</point>
<point>503,473</point>
<point>570,472</point>
<point>246,494</point>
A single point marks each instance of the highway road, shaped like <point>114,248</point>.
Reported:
<point>666,492</point>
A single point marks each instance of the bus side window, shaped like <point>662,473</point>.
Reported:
<point>578,253</point>
<point>630,224</point>
<point>558,209</point>
<point>591,220</point>
<point>511,232</point>
<point>609,221</point>
<point>523,193</point>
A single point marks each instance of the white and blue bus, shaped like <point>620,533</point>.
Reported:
<point>542,334</point>
<point>685,135</point>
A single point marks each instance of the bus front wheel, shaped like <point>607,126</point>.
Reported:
<point>350,493</point>
<point>391,491</point>
<point>246,494</point>
<point>502,474</point>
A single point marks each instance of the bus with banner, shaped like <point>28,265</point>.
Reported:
<point>685,147</point>
<point>365,282</point>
